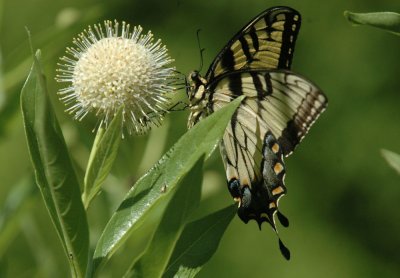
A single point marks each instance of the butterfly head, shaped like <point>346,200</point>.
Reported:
<point>196,88</point>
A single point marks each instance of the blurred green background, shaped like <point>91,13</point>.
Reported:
<point>343,199</point>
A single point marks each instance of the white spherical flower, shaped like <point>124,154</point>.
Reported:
<point>112,67</point>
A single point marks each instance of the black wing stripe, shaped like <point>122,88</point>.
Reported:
<point>246,48</point>
<point>254,39</point>
<point>258,85</point>
<point>288,39</point>
<point>228,60</point>
<point>235,81</point>
<point>267,79</point>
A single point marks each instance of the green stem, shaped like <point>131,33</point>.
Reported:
<point>87,195</point>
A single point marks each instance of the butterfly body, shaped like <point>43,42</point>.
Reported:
<point>198,97</point>
<point>278,109</point>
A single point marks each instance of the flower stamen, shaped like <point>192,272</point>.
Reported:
<point>110,67</point>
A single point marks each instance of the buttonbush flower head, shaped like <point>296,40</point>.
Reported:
<point>110,67</point>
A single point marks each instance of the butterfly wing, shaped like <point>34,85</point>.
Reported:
<point>282,102</point>
<point>279,108</point>
<point>265,42</point>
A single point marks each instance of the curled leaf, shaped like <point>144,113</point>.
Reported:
<point>388,21</point>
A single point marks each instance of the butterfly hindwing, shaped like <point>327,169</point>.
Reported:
<point>279,108</point>
<point>267,42</point>
<point>255,175</point>
<point>283,103</point>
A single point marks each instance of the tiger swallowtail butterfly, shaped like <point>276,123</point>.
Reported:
<point>278,109</point>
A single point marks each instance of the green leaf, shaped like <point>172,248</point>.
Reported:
<point>392,158</point>
<point>388,21</point>
<point>198,243</point>
<point>182,204</point>
<point>147,192</point>
<point>102,156</point>
<point>54,173</point>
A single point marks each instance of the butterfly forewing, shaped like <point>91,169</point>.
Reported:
<point>265,42</point>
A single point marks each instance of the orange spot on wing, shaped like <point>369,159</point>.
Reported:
<point>278,168</point>
<point>277,190</point>
<point>275,148</point>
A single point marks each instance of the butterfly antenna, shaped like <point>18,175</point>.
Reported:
<point>201,49</point>
<point>187,85</point>
<point>176,108</point>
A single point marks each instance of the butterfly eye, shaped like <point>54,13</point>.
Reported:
<point>194,76</point>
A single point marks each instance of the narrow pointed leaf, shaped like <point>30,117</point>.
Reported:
<point>392,158</point>
<point>201,139</point>
<point>198,243</point>
<point>102,156</point>
<point>182,204</point>
<point>54,172</point>
<point>388,21</point>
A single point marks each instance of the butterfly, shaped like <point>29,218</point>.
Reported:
<point>278,109</point>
